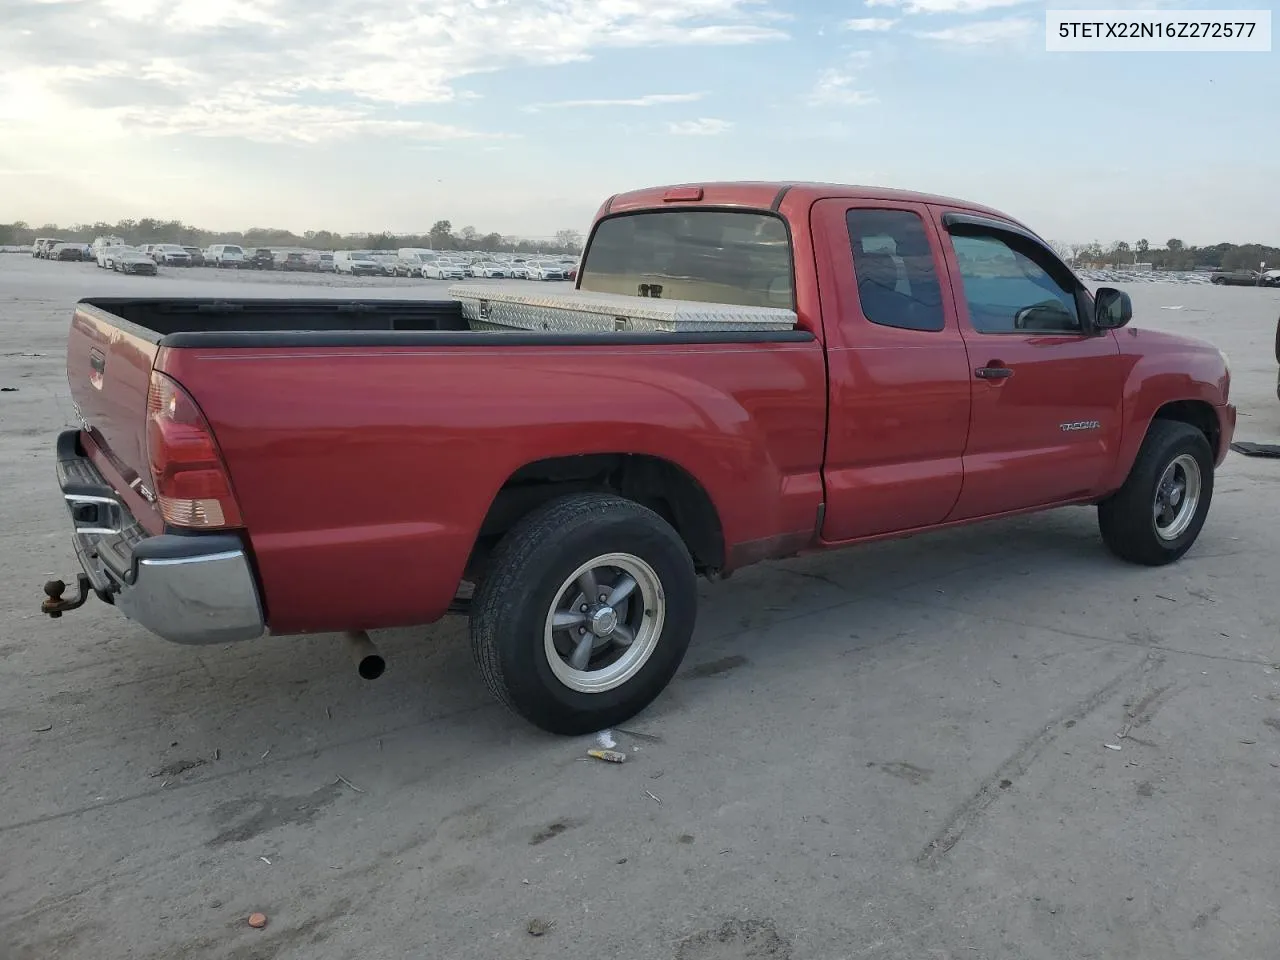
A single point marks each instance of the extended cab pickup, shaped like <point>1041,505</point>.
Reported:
<point>297,466</point>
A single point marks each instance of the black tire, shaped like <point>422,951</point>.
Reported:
<point>524,579</point>
<point>1277,352</point>
<point>1126,519</point>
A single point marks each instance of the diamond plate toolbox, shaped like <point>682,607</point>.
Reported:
<point>498,306</point>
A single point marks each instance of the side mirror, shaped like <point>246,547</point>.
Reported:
<point>1112,308</point>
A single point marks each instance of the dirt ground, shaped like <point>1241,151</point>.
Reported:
<point>894,752</point>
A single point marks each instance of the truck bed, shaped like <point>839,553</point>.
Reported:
<point>170,317</point>
<point>366,441</point>
<point>261,323</point>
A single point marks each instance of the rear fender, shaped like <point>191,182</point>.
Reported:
<point>363,476</point>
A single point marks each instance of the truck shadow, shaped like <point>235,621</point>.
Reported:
<point>246,699</point>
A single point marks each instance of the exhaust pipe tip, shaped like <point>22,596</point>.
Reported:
<point>371,667</point>
<point>369,662</point>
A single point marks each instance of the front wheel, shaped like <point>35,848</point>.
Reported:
<point>1158,514</point>
<point>585,613</point>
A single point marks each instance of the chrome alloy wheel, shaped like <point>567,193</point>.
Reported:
<point>1177,497</point>
<point>604,623</point>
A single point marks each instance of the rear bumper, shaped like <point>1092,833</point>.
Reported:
<point>188,588</point>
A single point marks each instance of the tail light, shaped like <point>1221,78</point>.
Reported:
<point>191,482</point>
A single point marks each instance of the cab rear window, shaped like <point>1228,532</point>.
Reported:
<point>711,256</point>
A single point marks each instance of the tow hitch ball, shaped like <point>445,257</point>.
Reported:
<point>54,605</point>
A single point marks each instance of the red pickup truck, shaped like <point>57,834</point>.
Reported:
<point>297,466</point>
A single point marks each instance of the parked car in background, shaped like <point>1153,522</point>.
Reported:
<point>490,271</point>
<point>45,246</point>
<point>409,260</point>
<point>37,247</point>
<point>387,262</point>
<point>107,255</point>
<point>546,270</point>
<point>261,258</point>
<point>324,264</point>
<point>67,251</point>
<point>295,261</point>
<point>1271,278</point>
<point>519,270</point>
<point>133,261</point>
<point>355,262</point>
<point>440,269</point>
<point>102,242</point>
<point>1236,278</point>
<point>196,255</point>
<point>224,255</point>
<point>170,255</point>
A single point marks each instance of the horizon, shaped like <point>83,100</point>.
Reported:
<point>90,227</point>
<point>522,116</point>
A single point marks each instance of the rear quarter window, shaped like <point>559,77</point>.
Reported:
<point>711,256</point>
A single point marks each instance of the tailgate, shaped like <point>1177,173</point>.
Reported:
<point>109,365</point>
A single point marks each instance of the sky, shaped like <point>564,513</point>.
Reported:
<point>521,116</point>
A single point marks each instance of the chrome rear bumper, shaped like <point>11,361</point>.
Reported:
<point>189,588</point>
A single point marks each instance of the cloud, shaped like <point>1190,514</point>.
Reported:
<point>273,70</point>
<point>985,32</point>
<point>869,24</point>
<point>648,100</point>
<point>289,123</point>
<point>835,87</point>
<point>945,6</point>
<point>702,127</point>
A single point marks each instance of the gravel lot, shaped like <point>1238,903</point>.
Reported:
<point>895,752</point>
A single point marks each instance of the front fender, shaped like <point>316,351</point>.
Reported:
<point>1164,369</point>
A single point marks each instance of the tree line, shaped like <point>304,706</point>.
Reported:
<point>1174,255</point>
<point>441,236</point>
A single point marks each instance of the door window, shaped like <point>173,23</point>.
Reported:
<point>894,266</point>
<point>1008,291</point>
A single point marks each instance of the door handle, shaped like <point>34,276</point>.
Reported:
<point>996,371</point>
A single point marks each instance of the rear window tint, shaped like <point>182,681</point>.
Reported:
<point>711,256</point>
<point>895,269</point>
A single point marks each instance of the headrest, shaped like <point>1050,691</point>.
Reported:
<point>878,268</point>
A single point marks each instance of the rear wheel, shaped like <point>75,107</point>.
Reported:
<point>585,613</point>
<point>1158,514</point>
